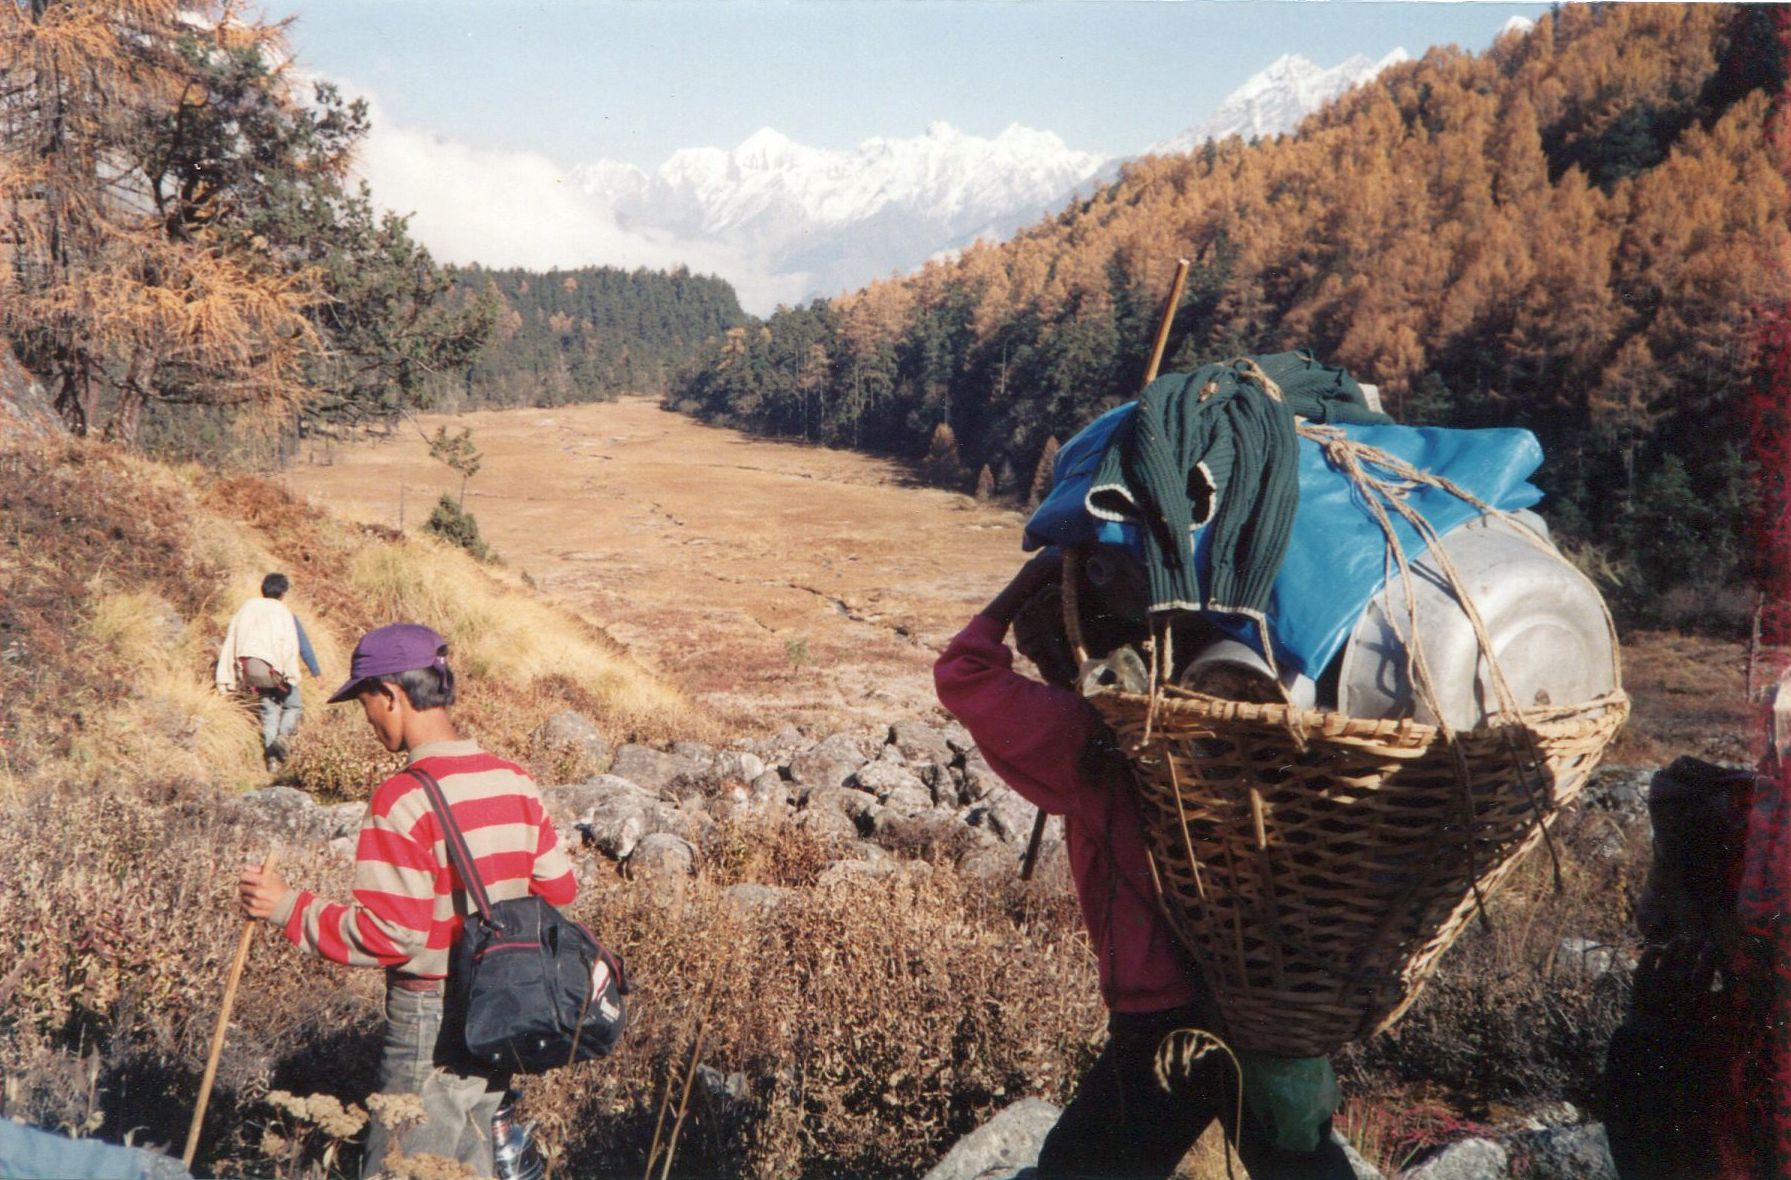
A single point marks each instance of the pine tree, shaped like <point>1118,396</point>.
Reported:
<point>943,464</point>
<point>125,283</point>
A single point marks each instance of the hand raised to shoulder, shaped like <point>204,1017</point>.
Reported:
<point>1045,568</point>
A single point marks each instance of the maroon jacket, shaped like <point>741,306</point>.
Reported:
<point>1033,736</point>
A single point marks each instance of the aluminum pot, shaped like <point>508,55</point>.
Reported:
<point>1545,619</point>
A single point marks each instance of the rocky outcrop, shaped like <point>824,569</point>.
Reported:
<point>917,790</point>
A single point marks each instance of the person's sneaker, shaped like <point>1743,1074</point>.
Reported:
<point>275,757</point>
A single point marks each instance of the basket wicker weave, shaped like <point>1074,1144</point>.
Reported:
<point>1318,865</point>
<point>1318,887</point>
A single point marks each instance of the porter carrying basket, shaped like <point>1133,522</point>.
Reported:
<point>1318,865</point>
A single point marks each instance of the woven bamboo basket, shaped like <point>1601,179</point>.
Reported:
<point>1317,865</point>
<point>1318,887</point>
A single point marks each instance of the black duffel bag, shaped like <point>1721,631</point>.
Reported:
<point>533,988</point>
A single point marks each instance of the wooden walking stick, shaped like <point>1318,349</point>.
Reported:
<point>217,1034</point>
<point>1069,592</point>
<point>1168,320</point>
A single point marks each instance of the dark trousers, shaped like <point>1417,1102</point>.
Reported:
<point>1121,1125</point>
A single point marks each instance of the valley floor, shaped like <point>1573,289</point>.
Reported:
<point>775,582</point>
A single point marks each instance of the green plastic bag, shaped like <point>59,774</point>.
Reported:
<point>1291,1097</point>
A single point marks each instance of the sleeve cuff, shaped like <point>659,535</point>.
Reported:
<point>283,908</point>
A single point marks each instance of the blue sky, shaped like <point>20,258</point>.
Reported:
<point>580,81</point>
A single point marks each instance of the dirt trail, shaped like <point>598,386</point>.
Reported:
<point>774,582</point>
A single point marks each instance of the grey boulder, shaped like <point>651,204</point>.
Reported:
<point>919,742</point>
<point>1465,1159</point>
<point>288,812</point>
<point>1006,814</point>
<point>884,778</point>
<point>659,770</point>
<point>622,814</point>
<point>1566,1153</point>
<point>830,764</point>
<point>572,733</point>
<point>1001,1147</point>
<point>751,899</point>
<point>662,856</point>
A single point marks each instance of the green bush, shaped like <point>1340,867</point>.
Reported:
<point>457,526</point>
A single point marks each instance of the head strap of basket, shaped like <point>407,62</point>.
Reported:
<point>1297,851</point>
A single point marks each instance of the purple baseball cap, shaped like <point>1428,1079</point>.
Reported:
<point>384,651</point>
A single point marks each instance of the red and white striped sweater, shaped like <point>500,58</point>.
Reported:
<point>409,904</point>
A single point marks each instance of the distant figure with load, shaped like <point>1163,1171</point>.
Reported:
<point>261,653</point>
<point>407,912</point>
<point>1050,745</point>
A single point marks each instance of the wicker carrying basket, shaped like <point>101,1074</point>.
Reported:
<point>1318,865</point>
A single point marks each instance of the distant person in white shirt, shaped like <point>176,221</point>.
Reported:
<point>261,653</point>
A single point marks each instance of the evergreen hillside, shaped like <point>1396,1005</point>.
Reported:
<point>587,334</point>
<point>1576,231</point>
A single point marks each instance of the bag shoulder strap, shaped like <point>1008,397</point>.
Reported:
<point>459,855</point>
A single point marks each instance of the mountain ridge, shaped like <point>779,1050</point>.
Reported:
<point>816,221</point>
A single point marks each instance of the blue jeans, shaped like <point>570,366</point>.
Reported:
<point>279,716</point>
<point>458,1104</point>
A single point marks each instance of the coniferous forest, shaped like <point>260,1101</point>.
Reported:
<point>585,334</point>
<point>1580,231</point>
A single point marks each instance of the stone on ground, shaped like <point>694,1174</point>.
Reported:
<point>1000,1147</point>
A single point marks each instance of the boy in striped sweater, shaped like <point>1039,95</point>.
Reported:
<point>409,906</point>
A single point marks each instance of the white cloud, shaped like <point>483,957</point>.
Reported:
<point>504,207</point>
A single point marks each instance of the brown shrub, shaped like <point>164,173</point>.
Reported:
<point>118,924</point>
<point>874,1021</point>
<point>1508,1019</point>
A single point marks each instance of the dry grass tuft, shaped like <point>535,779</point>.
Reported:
<point>118,926</point>
<point>499,631</point>
<point>168,723</point>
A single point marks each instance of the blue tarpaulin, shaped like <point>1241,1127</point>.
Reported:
<point>1336,556</point>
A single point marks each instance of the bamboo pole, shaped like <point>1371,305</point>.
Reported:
<point>1158,346</point>
<point>217,1033</point>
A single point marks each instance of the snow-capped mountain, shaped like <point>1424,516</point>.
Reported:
<point>824,220</point>
<point>801,221</point>
<point>1275,100</point>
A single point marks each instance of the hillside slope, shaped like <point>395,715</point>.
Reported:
<point>122,573</point>
<point>120,834</point>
